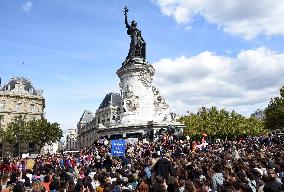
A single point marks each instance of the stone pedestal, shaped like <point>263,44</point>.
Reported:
<point>151,128</point>
<point>144,110</point>
<point>142,101</point>
<point>136,90</point>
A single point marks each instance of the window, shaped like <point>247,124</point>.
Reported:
<point>18,107</point>
<point>21,88</point>
<point>1,120</point>
<point>33,108</point>
<point>2,105</point>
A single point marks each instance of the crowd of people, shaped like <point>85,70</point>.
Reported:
<point>168,164</point>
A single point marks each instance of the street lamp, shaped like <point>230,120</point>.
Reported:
<point>18,140</point>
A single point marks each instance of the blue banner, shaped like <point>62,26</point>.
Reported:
<point>118,147</point>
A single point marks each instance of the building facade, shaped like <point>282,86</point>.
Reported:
<point>84,129</point>
<point>106,116</point>
<point>71,140</point>
<point>19,97</point>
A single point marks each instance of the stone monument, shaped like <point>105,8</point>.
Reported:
<point>142,102</point>
<point>144,110</point>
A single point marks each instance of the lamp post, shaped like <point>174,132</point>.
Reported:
<point>19,146</point>
<point>18,139</point>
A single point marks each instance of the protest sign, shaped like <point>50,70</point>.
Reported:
<point>25,155</point>
<point>118,147</point>
<point>132,141</point>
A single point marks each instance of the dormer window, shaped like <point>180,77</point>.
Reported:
<point>31,90</point>
<point>19,87</point>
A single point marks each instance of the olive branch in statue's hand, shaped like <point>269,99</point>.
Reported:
<point>125,10</point>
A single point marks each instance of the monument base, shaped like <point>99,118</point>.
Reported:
<point>149,129</point>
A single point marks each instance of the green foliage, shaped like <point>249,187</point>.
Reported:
<point>38,131</point>
<point>221,124</point>
<point>43,132</point>
<point>16,131</point>
<point>274,113</point>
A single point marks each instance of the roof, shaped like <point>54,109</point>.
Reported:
<point>26,86</point>
<point>87,117</point>
<point>113,99</point>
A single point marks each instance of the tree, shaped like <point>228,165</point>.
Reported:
<point>16,132</point>
<point>221,124</point>
<point>39,132</point>
<point>43,132</point>
<point>274,112</point>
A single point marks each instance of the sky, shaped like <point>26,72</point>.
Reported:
<point>223,53</point>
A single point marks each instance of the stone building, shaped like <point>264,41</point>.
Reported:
<point>85,128</point>
<point>19,97</point>
<point>106,116</point>
<point>109,110</point>
<point>71,140</point>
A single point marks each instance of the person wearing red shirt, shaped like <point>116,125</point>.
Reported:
<point>45,183</point>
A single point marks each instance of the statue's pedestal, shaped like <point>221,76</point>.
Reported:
<point>136,88</point>
<point>139,130</point>
<point>144,110</point>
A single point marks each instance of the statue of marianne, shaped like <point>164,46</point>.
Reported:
<point>137,45</point>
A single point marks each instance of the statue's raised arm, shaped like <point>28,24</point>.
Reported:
<point>137,45</point>
<point>125,14</point>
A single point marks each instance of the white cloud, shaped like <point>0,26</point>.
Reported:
<point>250,78</point>
<point>245,18</point>
<point>27,6</point>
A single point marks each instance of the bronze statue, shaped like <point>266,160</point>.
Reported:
<point>137,45</point>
